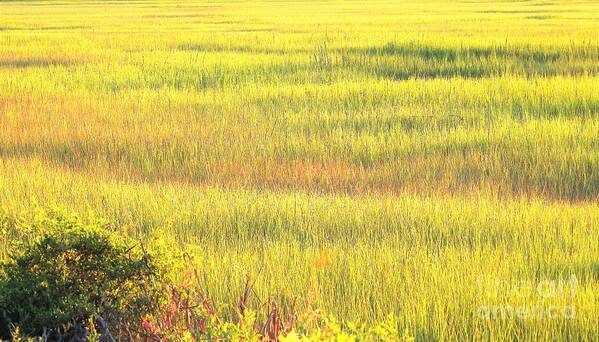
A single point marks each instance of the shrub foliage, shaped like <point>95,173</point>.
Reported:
<point>53,284</point>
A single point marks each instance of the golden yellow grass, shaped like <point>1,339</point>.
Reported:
<point>383,155</point>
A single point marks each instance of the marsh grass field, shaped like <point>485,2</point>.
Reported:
<point>375,157</point>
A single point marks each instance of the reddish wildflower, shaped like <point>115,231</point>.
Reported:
<point>149,327</point>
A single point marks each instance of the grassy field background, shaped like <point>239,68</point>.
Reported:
<point>377,156</point>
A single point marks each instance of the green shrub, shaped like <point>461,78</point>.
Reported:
<point>70,272</point>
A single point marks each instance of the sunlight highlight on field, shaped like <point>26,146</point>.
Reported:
<point>387,157</point>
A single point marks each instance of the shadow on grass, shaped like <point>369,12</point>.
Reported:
<point>32,63</point>
<point>450,54</point>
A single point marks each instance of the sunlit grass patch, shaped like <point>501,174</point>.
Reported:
<point>384,157</point>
